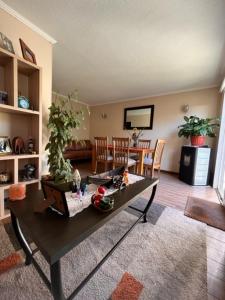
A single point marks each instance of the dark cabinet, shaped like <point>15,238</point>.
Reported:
<point>194,165</point>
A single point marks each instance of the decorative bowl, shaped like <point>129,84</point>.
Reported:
<point>106,203</point>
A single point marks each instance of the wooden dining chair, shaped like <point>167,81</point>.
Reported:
<point>144,144</point>
<point>121,153</point>
<point>154,163</point>
<point>102,153</point>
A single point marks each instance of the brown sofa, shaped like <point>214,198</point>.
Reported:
<point>78,150</point>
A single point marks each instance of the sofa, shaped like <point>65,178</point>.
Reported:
<point>78,150</point>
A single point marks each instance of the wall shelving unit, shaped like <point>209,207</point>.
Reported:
<point>19,77</point>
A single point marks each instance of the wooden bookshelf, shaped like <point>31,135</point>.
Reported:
<point>19,77</point>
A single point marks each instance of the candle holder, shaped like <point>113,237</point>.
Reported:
<point>17,192</point>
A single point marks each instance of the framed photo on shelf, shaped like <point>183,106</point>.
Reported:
<point>28,54</point>
<point>6,43</point>
<point>5,146</point>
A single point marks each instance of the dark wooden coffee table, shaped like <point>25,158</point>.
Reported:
<point>56,235</point>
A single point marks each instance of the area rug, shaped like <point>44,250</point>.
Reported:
<point>9,258</point>
<point>202,210</point>
<point>166,261</point>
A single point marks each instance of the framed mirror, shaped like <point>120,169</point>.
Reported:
<point>140,117</point>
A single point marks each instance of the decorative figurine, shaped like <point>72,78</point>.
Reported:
<point>3,97</point>
<point>18,145</point>
<point>135,136</point>
<point>4,177</point>
<point>118,182</point>
<point>74,189</point>
<point>83,188</point>
<point>28,172</point>
<point>30,146</point>
<point>77,178</point>
<point>125,177</point>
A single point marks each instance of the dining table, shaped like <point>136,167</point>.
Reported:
<point>141,152</point>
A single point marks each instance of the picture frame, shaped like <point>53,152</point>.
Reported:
<point>28,54</point>
<point>5,145</point>
<point>6,43</point>
<point>140,117</point>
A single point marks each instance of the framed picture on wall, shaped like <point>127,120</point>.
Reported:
<point>28,54</point>
<point>6,43</point>
<point>140,117</point>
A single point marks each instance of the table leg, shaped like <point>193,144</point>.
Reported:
<point>22,241</point>
<point>141,162</point>
<point>56,281</point>
<point>149,203</point>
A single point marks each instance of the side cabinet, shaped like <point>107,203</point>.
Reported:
<point>194,165</point>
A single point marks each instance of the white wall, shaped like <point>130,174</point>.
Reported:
<point>167,117</point>
<point>83,132</point>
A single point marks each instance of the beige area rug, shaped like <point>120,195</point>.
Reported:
<point>168,260</point>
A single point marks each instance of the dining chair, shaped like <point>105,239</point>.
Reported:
<point>121,153</point>
<point>144,144</point>
<point>102,153</point>
<point>154,162</point>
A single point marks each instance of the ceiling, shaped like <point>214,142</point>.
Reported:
<point>124,49</point>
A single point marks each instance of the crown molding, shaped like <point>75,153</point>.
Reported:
<point>66,97</point>
<point>26,22</point>
<point>158,95</point>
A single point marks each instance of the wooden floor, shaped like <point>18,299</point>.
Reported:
<point>173,193</point>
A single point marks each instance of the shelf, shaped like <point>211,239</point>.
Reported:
<point>19,77</point>
<point>30,181</point>
<point>6,185</point>
<point>19,156</point>
<point>4,53</point>
<point>17,110</point>
<point>22,156</point>
<point>25,67</point>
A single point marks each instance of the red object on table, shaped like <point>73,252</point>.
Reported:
<point>17,192</point>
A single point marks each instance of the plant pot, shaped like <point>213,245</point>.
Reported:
<point>197,140</point>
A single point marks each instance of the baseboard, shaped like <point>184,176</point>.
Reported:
<point>169,172</point>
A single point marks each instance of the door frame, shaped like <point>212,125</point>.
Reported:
<point>220,157</point>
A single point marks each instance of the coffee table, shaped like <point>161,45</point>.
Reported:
<point>56,235</point>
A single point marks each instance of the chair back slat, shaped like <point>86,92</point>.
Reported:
<point>144,144</point>
<point>159,147</point>
<point>120,150</point>
<point>101,148</point>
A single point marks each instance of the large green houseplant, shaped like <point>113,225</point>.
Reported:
<point>197,129</point>
<point>62,119</point>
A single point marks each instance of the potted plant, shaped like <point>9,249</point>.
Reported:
<point>62,119</point>
<point>197,129</point>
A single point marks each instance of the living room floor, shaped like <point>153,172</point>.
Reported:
<point>173,193</point>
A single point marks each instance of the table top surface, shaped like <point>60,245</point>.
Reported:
<point>54,234</point>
